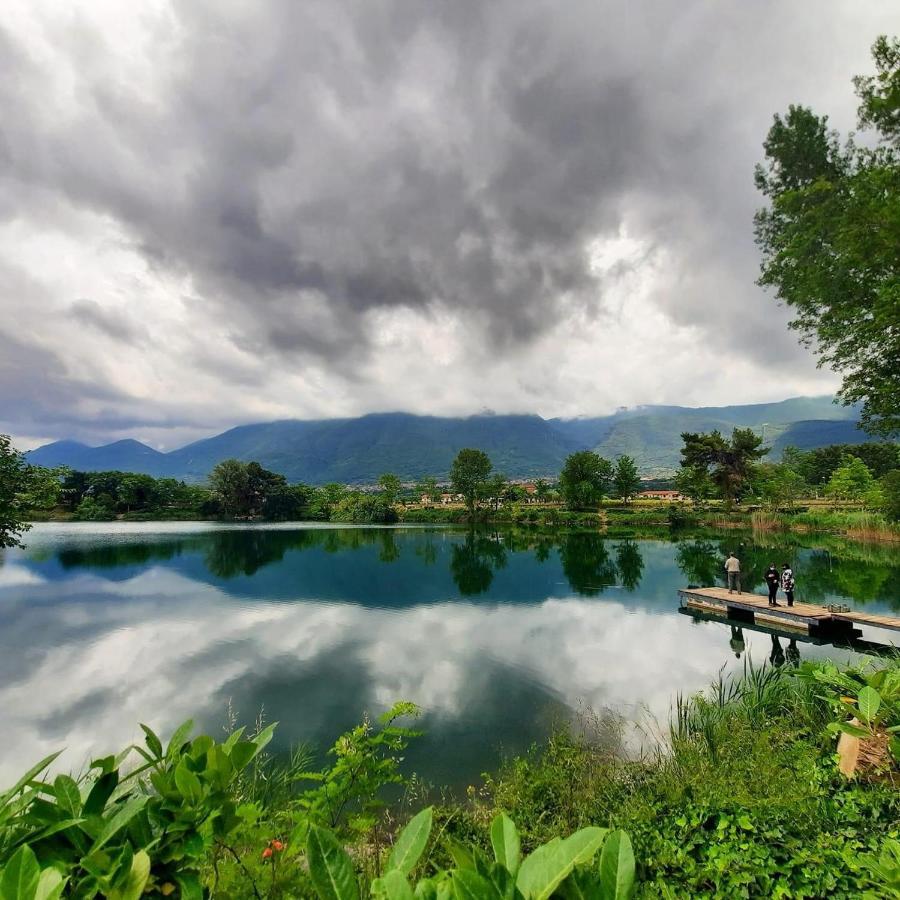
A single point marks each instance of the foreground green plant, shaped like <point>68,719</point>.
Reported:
<point>559,868</point>
<point>121,835</point>
<point>870,697</point>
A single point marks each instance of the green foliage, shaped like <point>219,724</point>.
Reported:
<point>852,480</point>
<point>890,494</point>
<point>469,476</point>
<point>12,483</point>
<point>729,463</point>
<point>390,487</point>
<point>365,760</point>
<point>584,480</point>
<point>626,480</point>
<point>829,239</point>
<point>119,835</point>
<point>559,868</point>
<point>865,701</point>
<point>744,802</point>
<point>244,489</point>
<point>779,485</point>
<point>368,508</point>
<point>816,466</point>
<point>694,482</point>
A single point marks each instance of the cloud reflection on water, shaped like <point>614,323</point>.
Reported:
<point>88,650</point>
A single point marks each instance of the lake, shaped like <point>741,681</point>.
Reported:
<point>498,635</point>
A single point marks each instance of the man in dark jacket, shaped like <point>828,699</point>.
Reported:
<point>772,580</point>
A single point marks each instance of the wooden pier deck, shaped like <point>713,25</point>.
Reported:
<point>809,617</point>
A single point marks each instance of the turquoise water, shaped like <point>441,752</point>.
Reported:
<point>497,635</point>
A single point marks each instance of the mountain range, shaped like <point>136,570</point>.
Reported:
<point>358,450</point>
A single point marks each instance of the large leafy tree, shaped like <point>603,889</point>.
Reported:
<point>729,463</point>
<point>830,236</point>
<point>585,479</point>
<point>244,488</point>
<point>626,479</point>
<point>851,481</point>
<point>390,485</point>
<point>23,488</point>
<point>469,475</point>
<point>12,482</point>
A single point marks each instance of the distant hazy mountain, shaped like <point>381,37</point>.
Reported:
<point>359,450</point>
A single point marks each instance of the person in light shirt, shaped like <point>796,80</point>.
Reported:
<point>733,571</point>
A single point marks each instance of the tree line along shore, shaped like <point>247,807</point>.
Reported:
<point>724,482</point>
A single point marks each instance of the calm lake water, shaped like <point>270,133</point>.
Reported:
<point>498,636</point>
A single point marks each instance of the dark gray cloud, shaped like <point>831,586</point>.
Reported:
<point>302,166</point>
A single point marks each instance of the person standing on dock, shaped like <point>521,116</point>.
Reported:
<point>733,572</point>
<point>787,583</point>
<point>772,581</point>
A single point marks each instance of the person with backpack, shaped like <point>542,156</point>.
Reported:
<point>787,583</point>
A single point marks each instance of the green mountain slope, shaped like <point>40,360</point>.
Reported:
<point>521,446</point>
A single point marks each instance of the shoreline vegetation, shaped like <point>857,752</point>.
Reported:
<point>744,796</point>
<point>853,491</point>
<point>653,516</point>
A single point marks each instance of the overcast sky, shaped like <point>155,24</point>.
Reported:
<point>215,212</point>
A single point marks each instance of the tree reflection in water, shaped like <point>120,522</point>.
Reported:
<point>474,561</point>
<point>586,562</point>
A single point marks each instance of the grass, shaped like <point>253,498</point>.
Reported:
<point>743,800</point>
<point>859,524</point>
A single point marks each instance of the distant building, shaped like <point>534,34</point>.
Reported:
<point>660,495</point>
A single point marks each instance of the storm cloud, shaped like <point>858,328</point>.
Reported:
<point>230,211</point>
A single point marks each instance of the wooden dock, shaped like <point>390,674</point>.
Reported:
<point>804,617</point>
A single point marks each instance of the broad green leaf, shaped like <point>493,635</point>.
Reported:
<point>617,867</point>
<point>232,739</point>
<point>68,796</point>
<point>100,793</point>
<point>460,854</point>
<point>584,844</point>
<point>242,753</point>
<point>469,885</point>
<point>263,738</point>
<point>543,871</point>
<point>411,843</point>
<point>20,875</point>
<point>119,821</point>
<point>50,886</point>
<point>330,867</point>
<point>153,742</point>
<point>854,730</point>
<point>55,828</point>
<point>868,700</point>
<point>396,887</point>
<point>182,732</point>
<point>187,782</point>
<point>505,841</point>
<point>137,879</point>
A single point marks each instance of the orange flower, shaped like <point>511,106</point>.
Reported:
<point>277,845</point>
<point>267,853</point>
